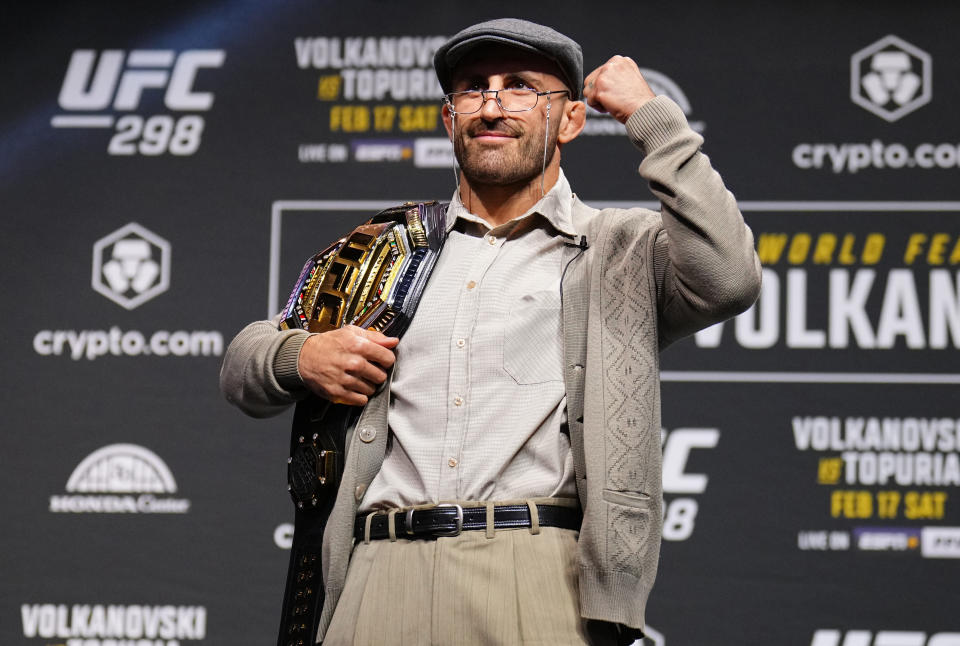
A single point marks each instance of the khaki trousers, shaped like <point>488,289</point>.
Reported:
<point>499,588</point>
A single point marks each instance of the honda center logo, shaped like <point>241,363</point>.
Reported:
<point>601,123</point>
<point>891,78</point>
<point>131,266</point>
<point>120,479</point>
<point>660,83</point>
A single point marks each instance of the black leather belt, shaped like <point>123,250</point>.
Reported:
<point>451,519</point>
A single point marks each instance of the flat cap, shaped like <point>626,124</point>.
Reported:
<point>513,32</point>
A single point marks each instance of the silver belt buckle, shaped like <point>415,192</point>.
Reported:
<point>453,532</point>
<point>459,529</point>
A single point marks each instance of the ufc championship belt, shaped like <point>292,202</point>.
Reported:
<point>372,278</point>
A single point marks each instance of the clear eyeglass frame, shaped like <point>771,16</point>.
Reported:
<point>516,96</point>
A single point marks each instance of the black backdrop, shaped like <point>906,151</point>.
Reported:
<point>166,168</point>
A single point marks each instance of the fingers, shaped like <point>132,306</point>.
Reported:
<point>353,392</point>
<point>371,345</point>
<point>346,365</point>
<point>377,337</point>
<point>360,368</point>
<point>341,395</point>
<point>602,79</point>
<point>617,87</point>
<point>590,90</point>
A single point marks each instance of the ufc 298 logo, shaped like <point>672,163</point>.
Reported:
<point>97,86</point>
<point>680,485</point>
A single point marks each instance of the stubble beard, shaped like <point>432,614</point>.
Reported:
<point>519,162</point>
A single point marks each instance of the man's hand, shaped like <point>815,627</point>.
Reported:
<point>617,87</point>
<point>346,365</point>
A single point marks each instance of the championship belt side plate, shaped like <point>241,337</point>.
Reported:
<point>372,278</point>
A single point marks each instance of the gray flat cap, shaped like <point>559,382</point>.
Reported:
<point>523,34</point>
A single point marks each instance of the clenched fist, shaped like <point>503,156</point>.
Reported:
<point>617,87</point>
<point>346,365</point>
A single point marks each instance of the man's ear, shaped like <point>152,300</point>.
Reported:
<point>574,118</point>
<point>447,120</point>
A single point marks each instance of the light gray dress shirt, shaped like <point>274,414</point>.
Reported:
<point>478,403</point>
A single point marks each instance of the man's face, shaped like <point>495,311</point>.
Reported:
<point>496,147</point>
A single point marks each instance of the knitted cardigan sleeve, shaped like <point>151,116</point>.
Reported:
<point>704,260</point>
<point>259,372</point>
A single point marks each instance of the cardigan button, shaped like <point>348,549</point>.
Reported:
<point>360,490</point>
<point>367,434</point>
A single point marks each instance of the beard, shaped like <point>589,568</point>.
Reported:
<point>519,161</point>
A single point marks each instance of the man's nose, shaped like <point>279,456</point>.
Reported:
<point>490,108</point>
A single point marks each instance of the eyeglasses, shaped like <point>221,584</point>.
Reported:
<point>510,100</point>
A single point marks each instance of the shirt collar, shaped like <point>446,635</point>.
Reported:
<point>555,207</point>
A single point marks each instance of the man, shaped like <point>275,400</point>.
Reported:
<point>528,378</point>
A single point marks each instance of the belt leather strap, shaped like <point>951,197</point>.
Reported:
<point>373,277</point>
<point>451,519</point>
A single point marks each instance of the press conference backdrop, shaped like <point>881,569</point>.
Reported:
<point>167,167</point>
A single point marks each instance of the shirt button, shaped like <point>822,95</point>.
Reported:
<point>492,240</point>
<point>461,343</point>
<point>458,401</point>
<point>452,462</point>
<point>471,284</point>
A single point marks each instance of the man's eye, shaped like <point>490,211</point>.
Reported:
<point>519,85</point>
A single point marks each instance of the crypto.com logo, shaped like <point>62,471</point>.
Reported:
<point>891,78</point>
<point>131,265</point>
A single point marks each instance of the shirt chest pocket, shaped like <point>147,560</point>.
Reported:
<point>533,338</point>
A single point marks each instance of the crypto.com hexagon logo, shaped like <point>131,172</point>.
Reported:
<point>891,78</point>
<point>131,265</point>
